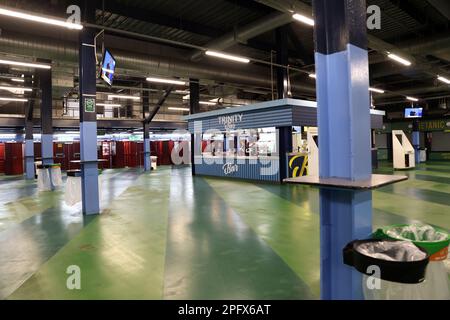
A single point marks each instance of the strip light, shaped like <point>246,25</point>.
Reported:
<point>207,103</point>
<point>13,99</point>
<point>25,64</point>
<point>178,109</point>
<point>32,17</point>
<point>169,81</point>
<point>117,96</point>
<point>108,105</point>
<point>17,80</point>
<point>412,99</point>
<point>312,75</point>
<point>226,56</point>
<point>304,19</point>
<point>376,90</point>
<point>15,88</point>
<point>399,59</point>
<point>443,79</point>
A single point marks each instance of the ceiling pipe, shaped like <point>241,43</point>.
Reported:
<point>291,6</point>
<point>269,22</point>
<point>67,52</point>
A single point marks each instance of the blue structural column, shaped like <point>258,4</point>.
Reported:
<point>29,141</point>
<point>284,133</point>
<point>416,141</point>
<point>147,145</point>
<point>88,118</point>
<point>45,85</point>
<point>194,107</point>
<point>344,138</point>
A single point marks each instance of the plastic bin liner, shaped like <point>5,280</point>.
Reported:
<point>43,180</point>
<point>72,194</point>
<point>435,242</point>
<point>392,251</point>
<point>56,176</point>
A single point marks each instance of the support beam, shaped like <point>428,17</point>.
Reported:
<point>45,85</point>
<point>284,147</point>
<point>416,141</point>
<point>344,138</point>
<point>88,116</point>
<point>159,104</point>
<point>194,107</point>
<point>146,125</point>
<point>29,142</point>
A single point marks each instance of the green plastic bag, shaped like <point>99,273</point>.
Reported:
<point>429,238</point>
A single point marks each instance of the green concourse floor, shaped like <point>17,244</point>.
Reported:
<point>167,235</point>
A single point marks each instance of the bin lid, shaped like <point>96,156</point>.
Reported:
<point>398,261</point>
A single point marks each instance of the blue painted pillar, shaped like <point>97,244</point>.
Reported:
<point>416,141</point>
<point>88,116</point>
<point>29,142</point>
<point>344,137</point>
<point>194,107</point>
<point>45,85</point>
<point>147,145</point>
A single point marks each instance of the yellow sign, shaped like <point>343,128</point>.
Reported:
<point>432,125</point>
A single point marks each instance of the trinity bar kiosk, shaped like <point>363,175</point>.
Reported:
<point>267,141</point>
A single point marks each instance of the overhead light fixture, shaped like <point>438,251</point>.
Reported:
<point>13,99</point>
<point>399,59</point>
<point>18,80</point>
<point>25,64</point>
<point>216,100</point>
<point>118,96</point>
<point>15,88</point>
<point>412,99</point>
<point>208,103</point>
<point>181,91</point>
<point>178,109</point>
<point>227,56</point>
<point>72,132</point>
<point>443,79</point>
<point>187,97</point>
<point>108,105</point>
<point>376,90</point>
<point>169,81</point>
<point>35,18</point>
<point>312,75</point>
<point>304,19</point>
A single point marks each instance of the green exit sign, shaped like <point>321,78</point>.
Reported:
<point>89,104</point>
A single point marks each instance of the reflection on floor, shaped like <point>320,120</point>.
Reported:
<point>166,235</point>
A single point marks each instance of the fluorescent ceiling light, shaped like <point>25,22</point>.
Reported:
<point>72,132</point>
<point>181,91</point>
<point>117,96</point>
<point>376,90</point>
<point>108,104</point>
<point>412,99</point>
<point>216,100</point>
<point>15,88</point>
<point>25,64</point>
<point>208,103</point>
<point>18,80</point>
<point>312,75</point>
<point>170,81</point>
<point>226,56</point>
<point>13,99</point>
<point>443,79</point>
<point>35,18</point>
<point>304,19</point>
<point>399,59</point>
<point>178,109</point>
<point>187,97</point>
